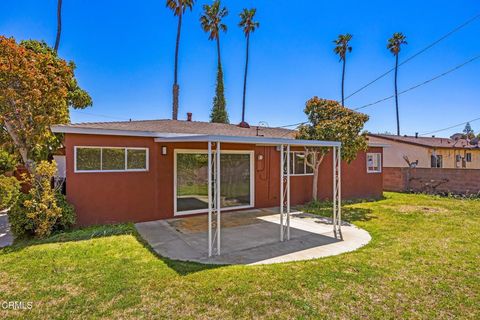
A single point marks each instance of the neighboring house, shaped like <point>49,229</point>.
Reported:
<point>428,152</point>
<point>158,169</point>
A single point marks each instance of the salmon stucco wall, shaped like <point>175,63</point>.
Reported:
<point>112,197</point>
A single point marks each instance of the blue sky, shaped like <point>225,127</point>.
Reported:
<point>124,55</point>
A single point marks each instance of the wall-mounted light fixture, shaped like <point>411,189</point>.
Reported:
<point>164,151</point>
<point>260,157</point>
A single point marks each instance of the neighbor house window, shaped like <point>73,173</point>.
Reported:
<point>468,157</point>
<point>110,159</point>
<point>374,162</point>
<point>436,161</point>
<point>298,164</point>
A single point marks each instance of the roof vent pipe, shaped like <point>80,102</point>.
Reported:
<point>189,116</point>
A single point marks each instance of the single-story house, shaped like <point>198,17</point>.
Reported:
<point>158,169</point>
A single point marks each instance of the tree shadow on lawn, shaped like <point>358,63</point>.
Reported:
<point>349,213</point>
<point>100,231</point>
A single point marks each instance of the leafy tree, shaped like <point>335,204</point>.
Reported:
<point>468,131</point>
<point>178,7</point>
<point>330,121</point>
<point>341,48</point>
<point>59,25</point>
<point>248,25</point>
<point>211,22</point>
<point>36,90</point>
<point>394,45</point>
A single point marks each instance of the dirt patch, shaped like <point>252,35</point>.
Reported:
<point>424,209</point>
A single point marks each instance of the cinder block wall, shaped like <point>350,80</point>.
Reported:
<point>432,180</point>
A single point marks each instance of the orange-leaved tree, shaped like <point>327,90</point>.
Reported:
<point>36,90</point>
<point>329,121</point>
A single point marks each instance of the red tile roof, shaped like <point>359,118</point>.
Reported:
<point>430,142</point>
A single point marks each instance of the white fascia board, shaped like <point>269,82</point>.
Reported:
<point>249,140</point>
<point>378,145</point>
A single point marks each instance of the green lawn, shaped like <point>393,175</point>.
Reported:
<point>423,262</point>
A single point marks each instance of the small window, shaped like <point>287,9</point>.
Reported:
<point>136,159</point>
<point>468,157</point>
<point>374,162</point>
<point>298,164</point>
<point>436,161</point>
<point>88,159</point>
<point>114,159</point>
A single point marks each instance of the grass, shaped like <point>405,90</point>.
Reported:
<point>422,263</point>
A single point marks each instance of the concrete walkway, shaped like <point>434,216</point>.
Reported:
<point>6,237</point>
<point>251,237</point>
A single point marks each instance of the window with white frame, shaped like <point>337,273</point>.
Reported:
<point>298,164</point>
<point>110,159</point>
<point>374,162</point>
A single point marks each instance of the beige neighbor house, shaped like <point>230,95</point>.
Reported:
<point>429,152</point>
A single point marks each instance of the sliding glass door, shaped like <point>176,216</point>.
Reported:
<point>191,189</point>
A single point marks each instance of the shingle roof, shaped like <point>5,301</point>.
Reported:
<point>187,127</point>
<point>430,142</point>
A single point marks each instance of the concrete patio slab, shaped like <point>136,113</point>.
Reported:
<point>251,237</point>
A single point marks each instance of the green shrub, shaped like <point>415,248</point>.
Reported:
<point>43,210</point>
<point>9,191</point>
<point>7,161</point>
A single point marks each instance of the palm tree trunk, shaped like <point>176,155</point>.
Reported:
<point>245,80</point>
<point>176,87</point>
<point>396,94</point>
<point>59,25</point>
<point>218,53</point>
<point>343,82</point>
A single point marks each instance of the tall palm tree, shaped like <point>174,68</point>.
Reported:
<point>59,25</point>
<point>211,22</point>
<point>248,25</point>
<point>394,45</point>
<point>342,47</point>
<point>178,7</point>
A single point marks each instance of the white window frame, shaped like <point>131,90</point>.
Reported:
<point>379,159</point>
<point>101,159</point>
<point>292,167</point>
<point>201,151</point>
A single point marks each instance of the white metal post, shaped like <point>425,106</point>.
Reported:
<point>288,191</point>
<point>339,193</point>
<point>218,198</point>
<point>209,199</point>
<point>281,191</point>
<point>334,195</point>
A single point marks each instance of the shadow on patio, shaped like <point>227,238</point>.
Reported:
<point>250,237</point>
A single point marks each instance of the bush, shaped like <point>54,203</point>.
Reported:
<point>7,161</point>
<point>44,209</point>
<point>9,191</point>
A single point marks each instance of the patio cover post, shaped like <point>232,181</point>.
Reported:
<point>218,198</point>
<point>337,189</point>
<point>288,191</point>
<point>284,192</point>
<point>209,199</point>
<point>281,190</point>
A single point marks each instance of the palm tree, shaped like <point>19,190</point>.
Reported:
<point>59,25</point>
<point>249,26</point>
<point>341,49</point>
<point>394,45</point>
<point>178,7</point>
<point>211,22</point>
